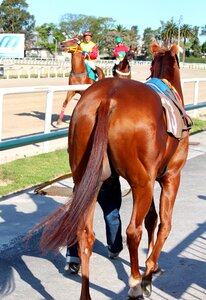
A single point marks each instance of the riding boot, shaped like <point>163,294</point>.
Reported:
<point>96,73</point>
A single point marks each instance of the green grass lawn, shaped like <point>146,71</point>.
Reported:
<point>26,172</point>
<point>198,125</point>
<point>31,171</point>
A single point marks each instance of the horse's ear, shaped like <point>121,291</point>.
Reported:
<point>154,48</point>
<point>174,49</point>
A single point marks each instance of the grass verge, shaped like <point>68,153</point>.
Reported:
<point>31,171</point>
<point>198,125</point>
<point>26,172</point>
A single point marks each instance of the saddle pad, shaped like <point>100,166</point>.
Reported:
<point>91,73</point>
<point>177,120</point>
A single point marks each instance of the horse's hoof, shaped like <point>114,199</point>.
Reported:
<point>59,122</point>
<point>135,293</point>
<point>146,288</point>
<point>158,272</point>
<point>140,297</point>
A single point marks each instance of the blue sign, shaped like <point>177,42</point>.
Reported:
<point>11,45</point>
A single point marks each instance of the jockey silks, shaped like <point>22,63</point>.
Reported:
<point>89,48</point>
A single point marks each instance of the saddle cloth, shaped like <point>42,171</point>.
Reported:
<point>91,73</point>
<point>178,122</point>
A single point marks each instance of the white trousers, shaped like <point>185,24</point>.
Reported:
<point>91,63</point>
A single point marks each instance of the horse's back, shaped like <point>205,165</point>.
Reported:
<point>135,122</point>
<point>127,98</point>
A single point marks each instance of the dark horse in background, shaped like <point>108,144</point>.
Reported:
<point>120,123</point>
<point>79,73</point>
<point>123,69</point>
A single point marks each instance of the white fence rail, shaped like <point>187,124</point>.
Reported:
<point>36,89</point>
<point>10,69</point>
<point>50,93</point>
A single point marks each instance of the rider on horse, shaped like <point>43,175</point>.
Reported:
<point>89,51</point>
<point>120,50</point>
<point>119,53</point>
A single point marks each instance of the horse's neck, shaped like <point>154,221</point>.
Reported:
<point>77,62</point>
<point>174,81</point>
<point>124,65</point>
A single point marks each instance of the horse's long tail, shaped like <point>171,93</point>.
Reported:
<point>61,226</point>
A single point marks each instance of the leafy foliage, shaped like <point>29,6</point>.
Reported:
<point>14,18</point>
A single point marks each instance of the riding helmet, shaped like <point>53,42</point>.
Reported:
<point>88,33</point>
<point>118,40</point>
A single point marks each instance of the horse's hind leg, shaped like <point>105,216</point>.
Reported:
<point>142,200</point>
<point>86,240</point>
<point>150,225</point>
<point>168,195</point>
<point>70,94</point>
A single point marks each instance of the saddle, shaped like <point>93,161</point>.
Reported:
<point>178,122</point>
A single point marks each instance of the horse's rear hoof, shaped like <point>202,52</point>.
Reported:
<point>146,288</point>
<point>59,121</point>
<point>136,298</point>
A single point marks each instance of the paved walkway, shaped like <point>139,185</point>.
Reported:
<point>27,274</point>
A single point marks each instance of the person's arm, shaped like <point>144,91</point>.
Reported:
<point>94,53</point>
<point>115,52</point>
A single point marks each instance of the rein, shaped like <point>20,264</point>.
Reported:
<point>73,49</point>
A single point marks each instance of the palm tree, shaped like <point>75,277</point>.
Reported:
<point>186,32</point>
<point>169,32</point>
<point>120,29</point>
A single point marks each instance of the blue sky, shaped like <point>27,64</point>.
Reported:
<point>125,12</point>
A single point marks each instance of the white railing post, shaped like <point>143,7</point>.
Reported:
<point>195,100</point>
<point>48,117</point>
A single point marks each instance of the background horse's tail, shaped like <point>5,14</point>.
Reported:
<point>61,227</point>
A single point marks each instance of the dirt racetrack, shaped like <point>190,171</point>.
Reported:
<point>24,114</point>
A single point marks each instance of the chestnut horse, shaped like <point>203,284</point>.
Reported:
<point>121,122</point>
<point>79,73</point>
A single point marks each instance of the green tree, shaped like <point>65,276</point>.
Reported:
<point>72,25</point>
<point>203,30</point>
<point>48,35</point>
<point>149,35</point>
<point>120,29</point>
<point>14,18</point>
<point>203,48</point>
<point>195,43</point>
<point>186,32</point>
<point>169,32</point>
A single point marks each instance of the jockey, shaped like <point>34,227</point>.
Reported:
<point>89,50</point>
<point>120,50</point>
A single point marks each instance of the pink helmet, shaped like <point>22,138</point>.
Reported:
<point>88,33</point>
